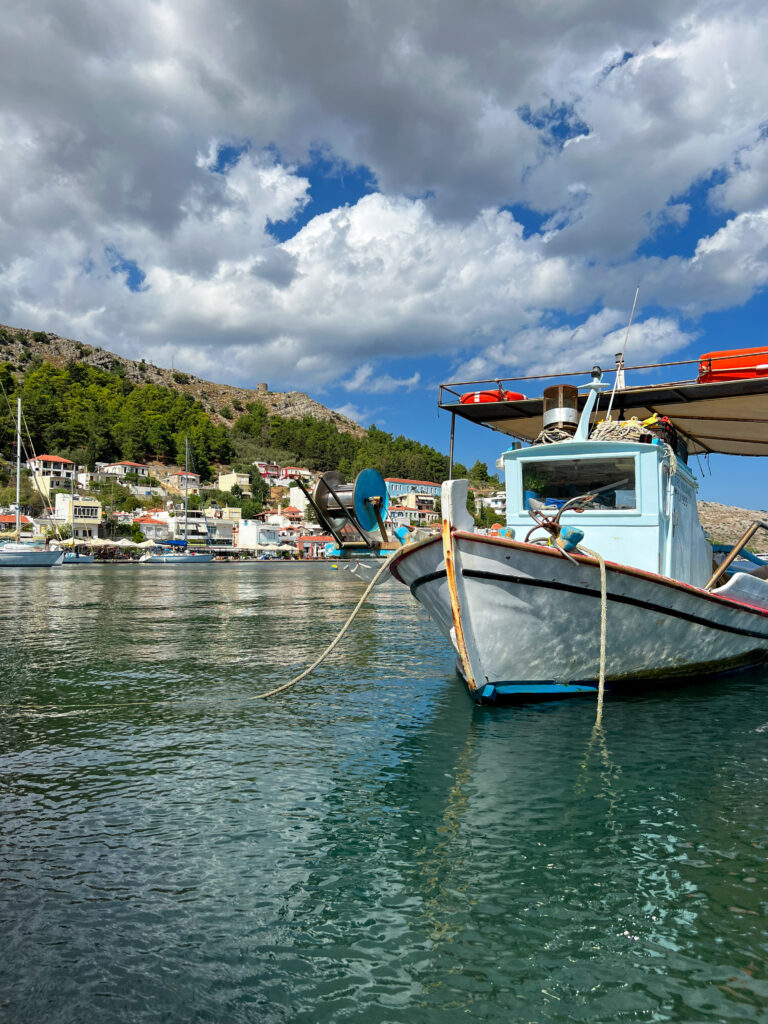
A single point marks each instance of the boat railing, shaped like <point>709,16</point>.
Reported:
<point>500,383</point>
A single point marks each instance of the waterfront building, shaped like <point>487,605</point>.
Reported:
<point>314,546</point>
<point>8,522</point>
<point>152,528</point>
<point>253,535</point>
<point>197,528</point>
<point>82,515</point>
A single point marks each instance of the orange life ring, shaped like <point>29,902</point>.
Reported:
<point>490,396</point>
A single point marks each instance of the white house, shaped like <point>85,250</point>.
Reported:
<point>253,535</point>
<point>51,471</point>
<point>497,502</point>
<point>121,469</point>
<point>288,473</point>
<point>152,528</point>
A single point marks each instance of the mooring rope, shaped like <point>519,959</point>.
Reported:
<point>49,709</point>
<point>603,628</point>
<point>335,641</point>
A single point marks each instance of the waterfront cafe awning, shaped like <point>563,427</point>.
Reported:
<point>724,417</point>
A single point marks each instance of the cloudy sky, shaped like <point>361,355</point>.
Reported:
<point>363,199</point>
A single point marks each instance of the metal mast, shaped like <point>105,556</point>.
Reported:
<point>18,468</point>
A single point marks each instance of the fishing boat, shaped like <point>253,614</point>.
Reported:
<point>176,552</point>
<point>15,552</point>
<point>603,573</point>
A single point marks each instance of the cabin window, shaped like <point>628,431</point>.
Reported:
<point>553,482</point>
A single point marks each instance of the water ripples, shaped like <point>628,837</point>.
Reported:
<point>367,847</point>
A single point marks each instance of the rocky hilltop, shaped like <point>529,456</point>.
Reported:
<point>725,524</point>
<point>19,346</point>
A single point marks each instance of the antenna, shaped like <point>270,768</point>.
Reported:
<point>620,364</point>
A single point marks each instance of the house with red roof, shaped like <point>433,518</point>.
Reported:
<point>153,529</point>
<point>314,546</point>
<point>8,522</point>
<point>400,485</point>
<point>182,480</point>
<point>51,472</point>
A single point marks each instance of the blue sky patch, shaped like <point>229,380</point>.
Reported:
<point>332,183</point>
<point>556,122</point>
<point>228,156</point>
<point>674,239</point>
<point>532,221</point>
<point>134,275</point>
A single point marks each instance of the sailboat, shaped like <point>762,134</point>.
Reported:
<point>166,555</point>
<point>603,575</point>
<point>18,553</point>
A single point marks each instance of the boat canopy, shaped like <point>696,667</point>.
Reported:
<point>723,417</point>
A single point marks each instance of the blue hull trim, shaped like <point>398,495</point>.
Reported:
<point>500,693</point>
<point>522,692</point>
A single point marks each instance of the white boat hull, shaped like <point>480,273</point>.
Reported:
<point>530,619</point>
<point>171,559</point>
<point>15,555</point>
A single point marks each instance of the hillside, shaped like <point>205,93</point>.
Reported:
<point>20,347</point>
<point>725,524</point>
<point>88,405</point>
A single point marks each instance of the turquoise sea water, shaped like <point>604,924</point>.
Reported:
<point>367,847</point>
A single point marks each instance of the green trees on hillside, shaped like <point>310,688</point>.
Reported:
<point>90,415</point>
<point>100,415</point>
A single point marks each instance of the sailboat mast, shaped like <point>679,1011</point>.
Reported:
<point>18,469</point>
<point>186,485</point>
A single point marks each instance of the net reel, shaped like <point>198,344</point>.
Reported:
<point>351,512</point>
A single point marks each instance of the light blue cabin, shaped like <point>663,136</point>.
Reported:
<point>645,514</point>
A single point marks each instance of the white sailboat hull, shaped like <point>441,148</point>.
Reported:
<point>530,619</point>
<point>15,555</point>
<point>171,559</point>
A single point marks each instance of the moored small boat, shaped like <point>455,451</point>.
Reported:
<point>603,560</point>
<point>17,553</point>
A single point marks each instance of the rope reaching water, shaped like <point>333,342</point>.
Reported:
<point>334,642</point>
<point>68,708</point>
<point>603,629</point>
